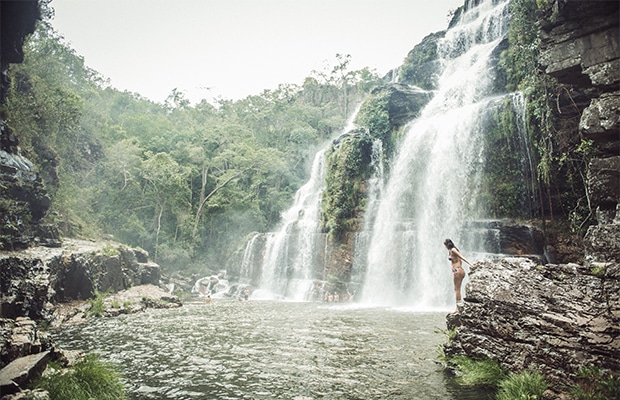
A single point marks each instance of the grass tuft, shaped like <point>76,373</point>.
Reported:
<point>89,379</point>
<point>485,372</point>
<point>526,385</point>
<point>97,304</point>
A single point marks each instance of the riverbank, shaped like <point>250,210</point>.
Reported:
<point>45,288</point>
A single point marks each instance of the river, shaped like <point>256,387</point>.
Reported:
<point>273,350</point>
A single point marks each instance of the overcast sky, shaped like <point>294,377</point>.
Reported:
<point>236,48</point>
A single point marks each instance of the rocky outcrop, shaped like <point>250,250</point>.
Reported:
<point>553,318</point>
<point>421,65</point>
<point>404,103</point>
<point>36,278</point>
<point>580,48</point>
<point>20,338</point>
<point>23,199</point>
<point>505,237</point>
<point>25,203</point>
<point>559,318</point>
<point>43,283</point>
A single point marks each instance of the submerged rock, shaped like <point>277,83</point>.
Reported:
<point>553,318</point>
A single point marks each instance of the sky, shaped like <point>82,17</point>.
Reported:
<point>231,49</point>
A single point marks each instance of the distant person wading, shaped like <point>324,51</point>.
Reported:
<point>458,273</point>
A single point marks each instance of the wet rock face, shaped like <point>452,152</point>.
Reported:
<point>505,237</point>
<point>580,48</point>
<point>404,102</point>
<point>17,20</point>
<point>554,318</point>
<point>25,204</point>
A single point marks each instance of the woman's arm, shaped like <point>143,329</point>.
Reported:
<point>461,257</point>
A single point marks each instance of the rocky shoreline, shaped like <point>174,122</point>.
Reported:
<point>45,288</point>
<point>557,319</point>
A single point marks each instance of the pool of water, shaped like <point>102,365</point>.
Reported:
<point>273,350</point>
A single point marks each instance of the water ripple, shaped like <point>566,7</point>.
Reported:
<point>272,350</point>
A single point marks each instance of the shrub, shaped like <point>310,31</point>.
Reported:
<point>97,304</point>
<point>527,385</point>
<point>90,378</point>
<point>596,384</point>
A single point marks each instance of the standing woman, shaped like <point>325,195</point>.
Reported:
<point>458,273</point>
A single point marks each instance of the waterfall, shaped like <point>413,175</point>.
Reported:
<point>248,263</point>
<point>291,252</point>
<point>524,148</point>
<point>376,184</point>
<point>435,178</point>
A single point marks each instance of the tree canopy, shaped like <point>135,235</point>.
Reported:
<point>187,182</point>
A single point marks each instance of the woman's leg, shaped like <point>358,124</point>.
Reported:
<point>458,280</point>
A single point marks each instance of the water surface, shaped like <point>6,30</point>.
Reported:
<point>273,350</point>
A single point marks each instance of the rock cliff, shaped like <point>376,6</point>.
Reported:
<point>558,318</point>
<point>580,48</point>
<point>23,199</point>
<point>35,279</point>
<point>553,318</point>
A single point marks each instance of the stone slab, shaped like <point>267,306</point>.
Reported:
<point>21,370</point>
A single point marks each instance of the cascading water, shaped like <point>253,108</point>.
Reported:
<point>281,274</point>
<point>375,187</point>
<point>436,176</point>
<point>291,252</point>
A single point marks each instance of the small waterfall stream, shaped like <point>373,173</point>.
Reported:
<point>287,272</point>
<point>376,186</point>
<point>436,176</point>
<point>292,251</point>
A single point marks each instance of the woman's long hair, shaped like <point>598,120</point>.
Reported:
<point>449,244</point>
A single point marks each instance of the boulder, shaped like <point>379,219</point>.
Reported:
<point>554,318</point>
<point>603,243</point>
<point>21,371</point>
<point>19,338</point>
<point>504,236</point>
<point>404,102</point>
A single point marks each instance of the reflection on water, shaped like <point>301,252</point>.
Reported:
<point>272,350</point>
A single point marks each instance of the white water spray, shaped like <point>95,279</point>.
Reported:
<point>434,181</point>
<point>291,252</point>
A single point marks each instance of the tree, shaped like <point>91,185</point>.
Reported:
<point>164,187</point>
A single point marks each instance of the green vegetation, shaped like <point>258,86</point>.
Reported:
<point>483,372</point>
<point>506,192</point>
<point>115,304</point>
<point>419,67</point>
<point>374,115</point>
<point>527,385</point>
<point>186,182</point>
<point>110,251</point>
<point>596,384</point>
<point>599,270</point>
<point>348,169</point>
<point>559,156</point>
<point>89,379</point>
<point>97,304</point>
